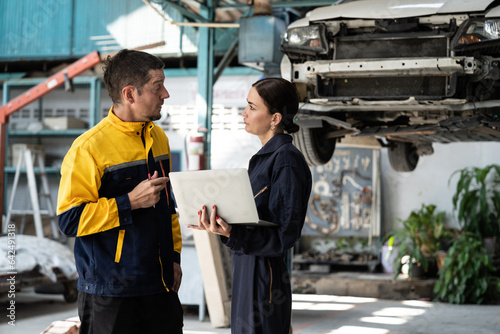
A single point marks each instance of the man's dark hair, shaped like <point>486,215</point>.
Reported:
<point>128,68</point>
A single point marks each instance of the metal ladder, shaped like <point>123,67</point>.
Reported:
<point>30,157</point>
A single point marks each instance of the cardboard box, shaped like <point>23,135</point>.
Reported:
<point>68,326</point>
<point>64,123</point>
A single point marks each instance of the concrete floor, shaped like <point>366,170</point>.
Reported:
<point>312,314</point>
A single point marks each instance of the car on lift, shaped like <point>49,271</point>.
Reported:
<point>409,73</point>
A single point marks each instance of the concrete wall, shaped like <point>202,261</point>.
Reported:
<point>430,182</point>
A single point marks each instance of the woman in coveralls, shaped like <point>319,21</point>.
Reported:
<point>281,181</point>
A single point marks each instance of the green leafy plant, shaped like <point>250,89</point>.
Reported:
<point>417,240</point>
<point>466,273</point>
<point>477,200</point>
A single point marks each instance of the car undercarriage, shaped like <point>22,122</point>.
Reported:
<point>409,82</point>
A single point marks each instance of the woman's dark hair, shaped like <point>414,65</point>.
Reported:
<point>128,68</point>
<point>280,96</point>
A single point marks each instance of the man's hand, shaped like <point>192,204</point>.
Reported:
<point>177,277</point>
<point>147,193</point>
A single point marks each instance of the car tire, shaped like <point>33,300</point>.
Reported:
<point>403,156</point>
<point>314,144</point>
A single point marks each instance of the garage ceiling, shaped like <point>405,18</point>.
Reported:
<point>226,11</point>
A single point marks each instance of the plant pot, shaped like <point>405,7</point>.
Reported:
<point>432,268</point>
<point>387,259</point>
<point>417,271</point>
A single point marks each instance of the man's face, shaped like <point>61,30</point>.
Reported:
<point>148,104</point>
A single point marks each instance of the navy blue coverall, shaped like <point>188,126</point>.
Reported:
<point>261,291</point>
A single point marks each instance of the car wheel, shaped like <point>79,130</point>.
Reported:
<point>315,145</point>
<point>403,156</point>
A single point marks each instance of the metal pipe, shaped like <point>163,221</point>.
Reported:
<point>208,25</point>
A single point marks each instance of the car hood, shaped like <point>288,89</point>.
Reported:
<point>382,9</point>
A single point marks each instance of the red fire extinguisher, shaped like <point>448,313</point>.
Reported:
<point>195,150</point>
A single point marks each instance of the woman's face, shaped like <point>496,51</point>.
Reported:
<point>257,117</point>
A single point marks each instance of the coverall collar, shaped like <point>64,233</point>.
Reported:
<point>129,127</point>
<point>274,143</point>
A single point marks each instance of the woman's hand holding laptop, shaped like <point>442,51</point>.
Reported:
<point>214,223</point>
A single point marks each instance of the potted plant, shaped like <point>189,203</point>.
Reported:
<point>477,201</point>
<point>417,240</point>
<point>466,275</point>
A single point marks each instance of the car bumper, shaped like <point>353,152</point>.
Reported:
<point>309,71</point>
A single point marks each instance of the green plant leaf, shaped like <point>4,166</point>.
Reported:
<point>465,276</point>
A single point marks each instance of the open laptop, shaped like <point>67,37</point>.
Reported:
<point>228,189</point>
